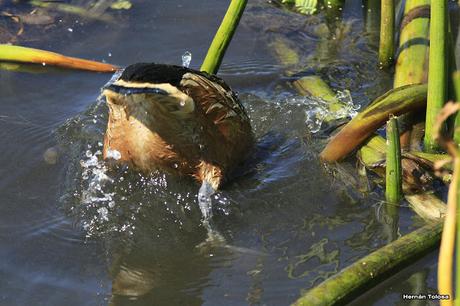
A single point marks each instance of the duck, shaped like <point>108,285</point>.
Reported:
<point>178,120</point>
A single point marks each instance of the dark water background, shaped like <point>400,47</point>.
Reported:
<point>74,233</point>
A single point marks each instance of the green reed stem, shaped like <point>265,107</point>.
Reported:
<point>457,245</point>
<point>456,84</point>
<point>387,25</point>
<point>371,13</point>
<point>412,62</point>
<point>393,190</point>
<point>456,81</point>
<point>437,73</point>
<point>223,36</point>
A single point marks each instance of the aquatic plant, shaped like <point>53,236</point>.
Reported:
<point>306,7</point>
<point>12,53</point>
<point>396,101</point>
<point>223,36</point>
<point>446,250</point>
<point>393,190</point>
<point>356,278</point>
<point>456,85</point>
<point>387,21</point>
<point>95,13</point>
<point>437,72</point>
<point>412,62</point>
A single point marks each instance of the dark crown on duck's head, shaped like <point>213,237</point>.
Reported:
<point>154,73</point>
<point>162,73</point>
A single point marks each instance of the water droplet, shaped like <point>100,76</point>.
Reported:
<point>103,213</point>
<point>186,59</point>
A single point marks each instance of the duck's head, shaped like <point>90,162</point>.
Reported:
<point>149,92</point>
<point>150,118</point>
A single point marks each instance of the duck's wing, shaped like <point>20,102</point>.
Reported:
<point>214,98</point>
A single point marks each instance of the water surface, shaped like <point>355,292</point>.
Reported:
<point>74,232</point>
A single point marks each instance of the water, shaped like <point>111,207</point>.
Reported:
<point>79,231</point>
<point>186,59</point>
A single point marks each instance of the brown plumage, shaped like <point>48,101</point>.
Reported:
<point>176,119</point>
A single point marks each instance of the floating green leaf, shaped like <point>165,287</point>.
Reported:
<point>307,7</point>
<point>121,5</point>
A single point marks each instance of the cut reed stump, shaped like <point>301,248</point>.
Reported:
<point>393,189</point>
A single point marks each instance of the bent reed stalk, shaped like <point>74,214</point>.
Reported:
<point>10,53</point>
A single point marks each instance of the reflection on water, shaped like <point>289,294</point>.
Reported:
<point>76,230</point>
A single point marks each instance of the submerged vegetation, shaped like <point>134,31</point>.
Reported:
<point>413,161</point>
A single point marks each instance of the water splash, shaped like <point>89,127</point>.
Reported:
<point>113,154</point>
<point>317,113</point>
<point>205,201</point>
<point>111,199</point>
<point>186,59</point>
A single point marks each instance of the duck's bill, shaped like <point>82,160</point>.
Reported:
<point>123,90</point>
